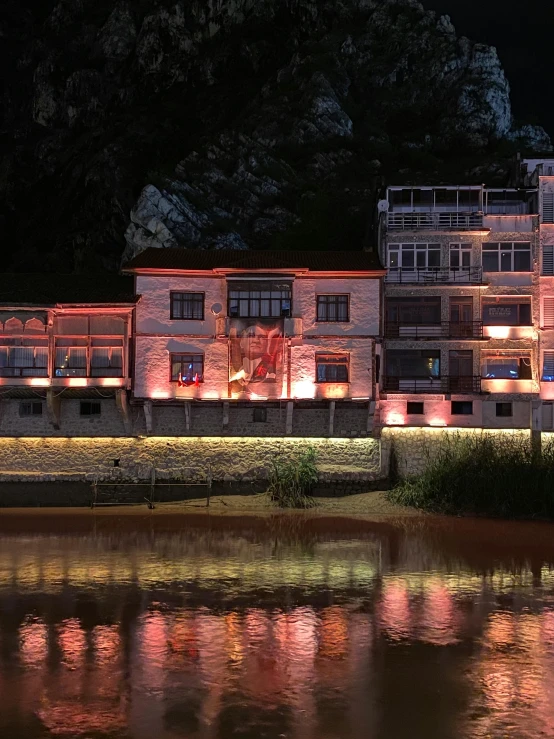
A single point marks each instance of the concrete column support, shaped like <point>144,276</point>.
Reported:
<point>225,414</point>
<point>288,426</point>
<point>332,405</point>
<point>188,414</point>
<point>54,408</point>
<point>122,403</point>
<point>148,412</point>
<point>370,416</point>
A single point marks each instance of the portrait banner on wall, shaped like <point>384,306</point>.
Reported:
<point>256,357</point>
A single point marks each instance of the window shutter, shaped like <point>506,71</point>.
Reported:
<point>548,313</point>
<point>548,207</point>
<point>548,366</point>
<point>548,260</point>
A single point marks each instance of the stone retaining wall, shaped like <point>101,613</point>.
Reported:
<point>230,459</point>
<point>414,446</point>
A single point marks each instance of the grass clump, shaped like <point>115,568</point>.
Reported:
<point>291,480</point>
<point>483,475</point>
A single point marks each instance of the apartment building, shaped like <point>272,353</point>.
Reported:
<point>255,343</point>
<point>462,307</point>
<point>539,173</point>
<point>64,355</point>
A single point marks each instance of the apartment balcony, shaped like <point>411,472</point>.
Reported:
<point>434,221</point>
<point>432,385</point>
<point>445,330</point>
<point>435,275</point>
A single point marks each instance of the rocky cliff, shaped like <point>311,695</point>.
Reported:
<point>233,123</point>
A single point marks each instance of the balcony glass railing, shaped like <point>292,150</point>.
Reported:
<point>435,274</point>
<point>432,385</point>
<point>444,330</point>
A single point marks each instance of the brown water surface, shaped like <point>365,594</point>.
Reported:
<point>282,626</point>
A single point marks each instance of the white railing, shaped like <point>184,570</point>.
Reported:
<point>434,221</point>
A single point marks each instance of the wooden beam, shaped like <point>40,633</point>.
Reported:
<point>54,408</point>
<point>122,403</point>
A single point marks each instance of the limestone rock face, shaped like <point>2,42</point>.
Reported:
<point>234,123</point>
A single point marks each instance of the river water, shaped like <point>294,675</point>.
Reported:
<point>155,627</point>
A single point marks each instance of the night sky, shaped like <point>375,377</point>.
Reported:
<point>523,33</point>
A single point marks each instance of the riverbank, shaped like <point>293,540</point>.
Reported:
<point>363,504</point>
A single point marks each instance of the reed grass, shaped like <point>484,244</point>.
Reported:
<point>483,475</point>
<point>291,481</point>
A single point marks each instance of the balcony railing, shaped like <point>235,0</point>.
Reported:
<point>444,330</point>
<point>434,221</point>
<point>432,385</point>
<point>433,275</point>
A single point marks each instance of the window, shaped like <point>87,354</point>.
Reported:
<point>23,357</point>
<point>259,300</point>
<point>332,308</point>
<point>548,259</point>
<point>506,367</point>
<point>90,408</point>
<point>413,310</point>
<point>259,415</point>
<point>506,312</point>
<point>415,409</point>
<point>414,256</point>
<point>504,410</point>
<point>548,313</point>
<point>461,362</point>
<point>186,367</point>
<point>548,366</point>
<point>30,408</point>
<point>332,367</point>
<point>188,306</point>
<point>460,256</point>
<point>106,360</point>
<point>71,358</point>
<point>548,207</point>
<point>461,408</point>
<point>507,257</point>
<point>461,309</point>
<point>413,363</point>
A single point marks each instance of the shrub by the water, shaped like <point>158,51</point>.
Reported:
<point>483,475</point>
<point>291,481</point>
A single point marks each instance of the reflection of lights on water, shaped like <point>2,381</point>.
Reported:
<point>33,642</point>
<point>72,643</point>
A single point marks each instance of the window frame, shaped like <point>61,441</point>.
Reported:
<point>459,404</point>
<point>550,353</point>
<point>520,356</point>
<point>172,297</point>
<point>320,359</point>
<point>271,286</point>
<point>96,404</point>
<point>259,415</point>
<point>460,248</point>
<point>504,405</point>
<point>506,246</point>
<point>185,354</point>
<point>413,403</point>
<point>9,344</point>
<point>421,247</point>
<point>320,296</point>
<point>505,301</point>
<point>33,405</point>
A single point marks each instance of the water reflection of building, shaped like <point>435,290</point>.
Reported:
<point>154,653</point>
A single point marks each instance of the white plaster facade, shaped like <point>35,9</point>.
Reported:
<point>157,337</point>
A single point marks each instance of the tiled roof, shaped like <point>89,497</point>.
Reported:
<point>201,259</point>
<point>48,289</point>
